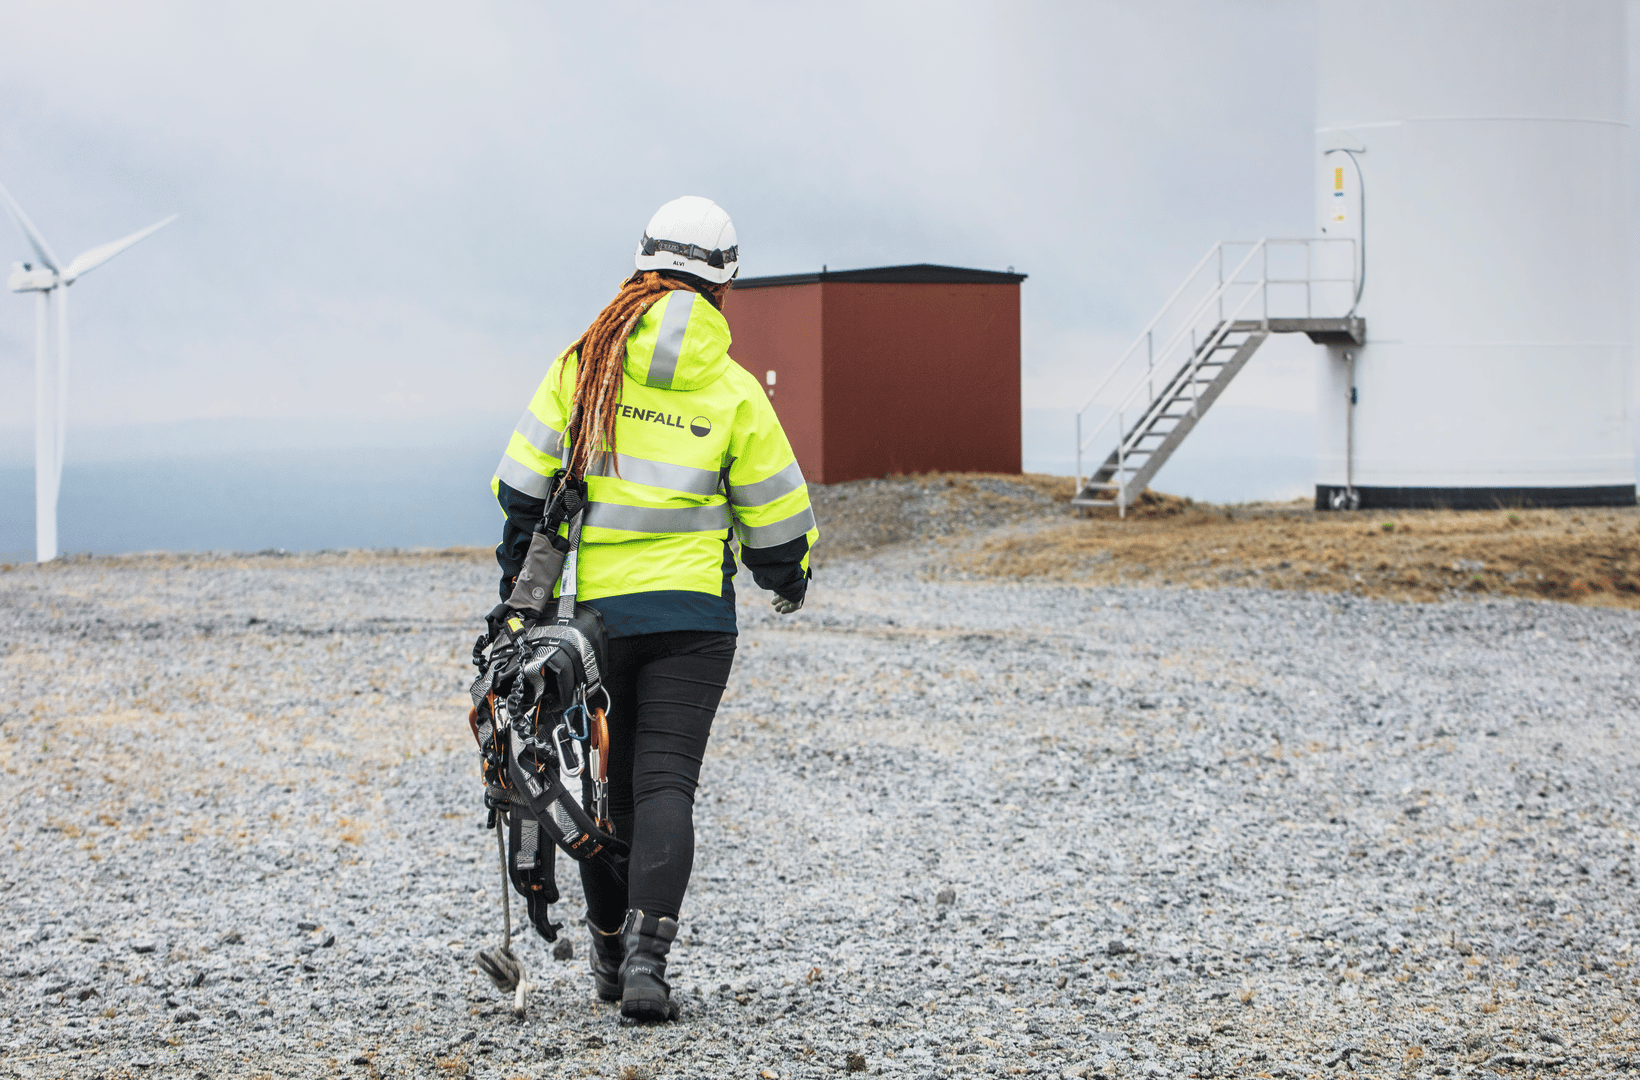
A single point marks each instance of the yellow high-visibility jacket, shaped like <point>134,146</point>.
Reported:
<point>701,457</point>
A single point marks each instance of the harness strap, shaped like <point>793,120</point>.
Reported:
<point>566,599</point>
<point>529,843</point>
<point>561,815</point>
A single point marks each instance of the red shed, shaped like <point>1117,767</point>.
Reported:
<point>896,369</point>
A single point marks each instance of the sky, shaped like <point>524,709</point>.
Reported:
<point>403,215</point>
<point>393,217</point>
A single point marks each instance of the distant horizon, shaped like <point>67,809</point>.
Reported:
<point>253,484</point>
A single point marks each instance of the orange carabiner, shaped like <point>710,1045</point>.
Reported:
<point>599,738</point>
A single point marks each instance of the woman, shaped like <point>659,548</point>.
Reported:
<point>680,449</point>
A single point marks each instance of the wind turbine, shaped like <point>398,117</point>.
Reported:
<point>51,280</point>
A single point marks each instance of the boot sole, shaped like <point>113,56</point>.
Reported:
<point>648,1008</point>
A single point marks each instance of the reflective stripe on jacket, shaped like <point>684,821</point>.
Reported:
<point>701,453</point>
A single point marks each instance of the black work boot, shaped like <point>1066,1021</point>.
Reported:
<point>608,950</point>
<point>644,992</point>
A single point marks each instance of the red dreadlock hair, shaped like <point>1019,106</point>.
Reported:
<point>601,358</point>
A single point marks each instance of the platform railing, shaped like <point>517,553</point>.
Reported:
<point>1218,285</point>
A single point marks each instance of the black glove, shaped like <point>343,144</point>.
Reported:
<point>493,622</point>
<point>504,627</point>
<point>571,497</point>
<point>789,597</point>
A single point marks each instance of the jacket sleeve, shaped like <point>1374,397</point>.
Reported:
<point>521,480</point>
<point>773,518</point>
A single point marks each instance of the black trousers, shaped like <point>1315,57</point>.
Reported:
<point>664,691</point>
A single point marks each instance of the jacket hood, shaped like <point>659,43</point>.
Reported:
<point>681,343</point>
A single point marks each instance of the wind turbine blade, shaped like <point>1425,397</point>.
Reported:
<point>87,261</point>
<point>41,249</point>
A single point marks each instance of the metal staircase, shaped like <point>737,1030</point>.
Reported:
<point>1209,329</point>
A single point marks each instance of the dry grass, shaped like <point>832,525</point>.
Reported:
<point>1585,556</point>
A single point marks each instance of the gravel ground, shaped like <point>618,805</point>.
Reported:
<point>947,828</point>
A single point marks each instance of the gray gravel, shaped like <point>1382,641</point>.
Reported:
<point>946,829</point>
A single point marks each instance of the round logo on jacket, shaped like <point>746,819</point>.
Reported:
<point>701,426</point>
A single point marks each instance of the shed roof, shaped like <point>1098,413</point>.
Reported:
<point>914,274</point>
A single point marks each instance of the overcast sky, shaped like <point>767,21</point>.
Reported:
<point>407,214</point>
<point>401,212</point>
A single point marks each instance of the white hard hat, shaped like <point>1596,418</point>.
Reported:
<point>691,235</point>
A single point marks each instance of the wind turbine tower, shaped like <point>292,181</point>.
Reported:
<point>1470,283</point>
<point>50,280</point>
<point>1474,152</point>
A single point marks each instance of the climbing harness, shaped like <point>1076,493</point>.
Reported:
<point>540,715</point>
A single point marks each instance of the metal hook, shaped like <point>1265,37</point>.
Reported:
<point>585,731</point>
<point>573,760</point>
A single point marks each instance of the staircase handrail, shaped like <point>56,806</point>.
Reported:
<point>1178,335</point>
<point>1194,365</point>
<point>1130,439</point>
<point>1151,325</point>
